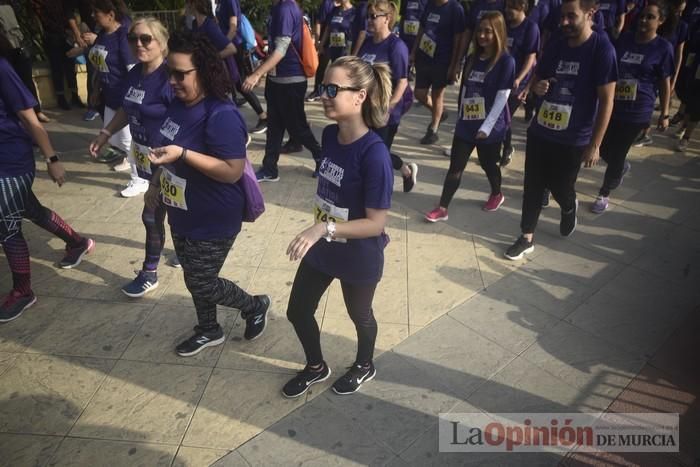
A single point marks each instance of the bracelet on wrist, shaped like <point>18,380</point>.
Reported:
<point>106,132</point>
<point>183,154</point>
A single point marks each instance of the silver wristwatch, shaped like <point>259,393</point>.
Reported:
<point>330,231</point>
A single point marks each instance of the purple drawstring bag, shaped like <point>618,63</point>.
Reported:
<point>254,202</point>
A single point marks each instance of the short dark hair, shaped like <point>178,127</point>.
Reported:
<point>586,5</point>
<point>203,7</point>
<point>212,74</point>
<point>118,7</point>
<point>520,4</point>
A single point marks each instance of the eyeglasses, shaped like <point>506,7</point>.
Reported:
<point>332,90</point>
<point>375,15</point>
<point>144,38</point>
<point>179,75</point>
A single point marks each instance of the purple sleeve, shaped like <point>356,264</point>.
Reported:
<point>532,40</point>
<point>507,73</point>
<point>13,92</point>
<point>236,8</point>
<point>621,7</point>
<point>377,176</point>
<point>470,20</point>
<point>606,63</point>
<point>682,31</point>
<point>399,60</point>
<point>283,24</point>
<point>459,22</point>
<point>226,134</point>
<point>666,67</point>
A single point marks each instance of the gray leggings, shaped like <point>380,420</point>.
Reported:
<point>201,262</point>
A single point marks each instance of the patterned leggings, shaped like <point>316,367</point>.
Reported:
<point>201,262</point>
<point>154,221</point>
<point>17,202</point>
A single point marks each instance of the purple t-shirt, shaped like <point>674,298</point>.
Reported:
<point>411,13</point>
<point>477,94</point>
<point>286,21</point>
<point>146,100</point>
<point>440,24</point>
<point>111,57</point>
<point>565,114</point>
<point>16,155</point>
<point>640,68</point>
<point>691,15</point>
<point>679,35</point>
<point>394,53</point>
<point>213,209</point>
<point>352,177</point>
<point>225,9</point>
<point>342,31</point>
<point>611,10</point>
<point>479,7</point>
<point>323,13</point>
<point>540,13</point>
<point>523,40</point>
<point>211,31</point>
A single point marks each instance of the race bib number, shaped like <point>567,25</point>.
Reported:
<point>98,57</point>
<point>325,211</point>
<point>337,39</point>
<point>169,129</point>
<point>427,45</point>
<point>140,154</point>
<point>135,95</point>
<point>626,90</point>
<point>173,189</point>
<point>554,116</point>
<point>411,27</point>
<point>473,108</point>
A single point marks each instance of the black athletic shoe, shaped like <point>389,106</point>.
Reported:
<point>240,101</point>
<point>507,156</point>
<point>199,342</point>
<point>520,248</point>
<point>409,181</point>
<point>261,127</point>
<point>545,198</point>
<point>567,225</point>
<point>430,137</point>
<point>14,304</point>
<point>352,380</point>
<point>298,385</point>
<point>256,322</point>
<point>290,147</point>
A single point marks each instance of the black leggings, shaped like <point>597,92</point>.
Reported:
<point>489,156</point>
<point>617,142</point>
<point>309,285</point>
<point>250,97</point>
<point>552,166</point>
<point>201,262</point>
<point>387,134</point>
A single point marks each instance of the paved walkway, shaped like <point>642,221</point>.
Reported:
<point>88,377</point>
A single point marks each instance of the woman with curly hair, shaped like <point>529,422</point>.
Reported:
<point>198,164</point>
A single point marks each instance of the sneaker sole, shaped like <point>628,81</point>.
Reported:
<point>259,132</point>
<point>440,219</point>
<point>503,200</point>
<point>307,387</point>
<point>218,341</point>
<point>526,251</point>
<point>369,378</point>
<point>131,195</point>
<point>140,294</point>
<point>7,320</point>
<point>272,180</point>
<point>88,250</point>
<point>264,324</point>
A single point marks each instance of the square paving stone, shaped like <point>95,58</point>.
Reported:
<point>146,402</point>
<point>454,356</point>
<point>76,451</point>
<point>169,325</point>
<point>317,435</point>
<point>91,329</point>
<point>45,395</point>
<point>236,406</point>
<point>27,450</point>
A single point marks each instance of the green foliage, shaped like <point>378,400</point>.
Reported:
<point>151,5</point>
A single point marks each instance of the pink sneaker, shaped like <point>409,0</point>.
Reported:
<point>494,202</point>
<point>437,214</point>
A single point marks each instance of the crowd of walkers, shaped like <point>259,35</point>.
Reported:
<point>589,74</point>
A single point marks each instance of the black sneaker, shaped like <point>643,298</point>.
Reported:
<point>14,304</point>
<point>298,385</point>
<point>430,137</point>
<point>507,156</point>
<point>545,198</point>
<point>261,127</point>
<point>520,248</point>
<point>75,255</point>
<point>291,147</point>
<point>240,101</point>
<point>409,181</point>
<point>676,119</point>
<point>256,322</point>
<point>352,380</point>
<point>567,225</point>
<point>199,342</point>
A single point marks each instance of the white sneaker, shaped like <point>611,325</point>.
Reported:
<point>134,188</point>
<point>122,166</point>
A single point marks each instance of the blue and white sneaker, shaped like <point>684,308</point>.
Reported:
<point>264,176</point>
<point>90,115</point>
<point>145,282</point>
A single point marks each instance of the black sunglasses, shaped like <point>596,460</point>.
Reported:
<point>375,15</point>
<point>144,38</point>
<point>179,75</point>
<point>332,90</point>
